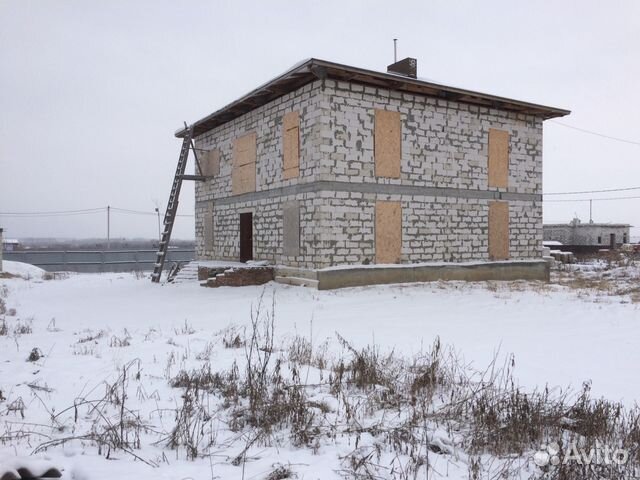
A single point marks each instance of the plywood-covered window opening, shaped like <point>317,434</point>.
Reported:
<point>387,143</point>
<point>498,230</point>
<point>388,232</point>
<point>243,176</point>
<point>498,163</point>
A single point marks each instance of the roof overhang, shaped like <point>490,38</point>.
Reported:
<point>313,69</point>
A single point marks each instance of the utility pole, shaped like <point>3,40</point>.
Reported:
<point>591,210</point>
<point>108,227</point>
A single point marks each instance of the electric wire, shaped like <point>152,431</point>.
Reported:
<point>591,132</point>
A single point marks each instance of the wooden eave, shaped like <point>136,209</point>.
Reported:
<point>313,69</point>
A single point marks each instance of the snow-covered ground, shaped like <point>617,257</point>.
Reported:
<point>23,270</point>
<point>87,328</point>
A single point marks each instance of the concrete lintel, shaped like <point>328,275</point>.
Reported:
<point>375,188</point>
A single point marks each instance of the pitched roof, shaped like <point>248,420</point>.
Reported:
<point>309,70</point>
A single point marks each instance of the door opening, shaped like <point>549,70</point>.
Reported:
<point>246,237</point>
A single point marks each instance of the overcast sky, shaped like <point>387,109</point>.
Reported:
<point>91,92</point>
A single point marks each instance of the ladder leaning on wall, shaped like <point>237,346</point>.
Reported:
<point>172,204</point>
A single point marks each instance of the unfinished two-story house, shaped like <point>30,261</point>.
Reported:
<point>347,176</point>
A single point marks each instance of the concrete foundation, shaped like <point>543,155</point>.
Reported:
<point>355,276</point>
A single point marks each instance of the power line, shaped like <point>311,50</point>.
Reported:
<point>595,191</point>
<point>126,211</point>
<point>87,211</point>
<point>53,212</point>
<point>135,212</point>
<point>592,199</point>
<point>58,213</point>
<point>590,132</point>
<point>141,212</point>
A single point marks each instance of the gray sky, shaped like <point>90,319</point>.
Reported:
<point>91,92</point>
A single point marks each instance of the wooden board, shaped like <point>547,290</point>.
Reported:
<point>243,179</point>
<point>244,150</point>
<point>498,230</point>
<point>388,232</point>
<point>498,162</point>
<point>387,143</point>
<point>243,175</point>
<point>291,145</point>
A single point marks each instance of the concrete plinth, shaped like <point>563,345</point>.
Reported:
<point>360,275</point>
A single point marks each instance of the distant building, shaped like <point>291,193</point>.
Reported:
<point>607,235</point>
<point>10,244</point>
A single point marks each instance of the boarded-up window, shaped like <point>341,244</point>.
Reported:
<point>498,230</point>
<point>291,229</point>
<point>243,176</point>
<point>208,228</point>
<point>498,158</point>
<point>210,163</point>
<point>387,143</point>
<point>291,145</point>
<point>388,232</point>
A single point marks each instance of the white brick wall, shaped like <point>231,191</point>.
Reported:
<point>444,145</point>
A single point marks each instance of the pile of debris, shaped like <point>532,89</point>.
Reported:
<point>550,254</point>
<point>234,276</point>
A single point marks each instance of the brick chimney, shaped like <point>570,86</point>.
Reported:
<point>407,67</point>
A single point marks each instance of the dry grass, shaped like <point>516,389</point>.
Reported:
<point>90,336</point>
<point>232,337</point>
<point>3,295</point>
<point>17,328</point>
<point>394,412</point>
<point>185,329</point>
<point>23,327</point>
<point>55,276</point>
<point>395,402</point>
<point>113,425</point>
<point>613,275</point>
<point>281,472</point>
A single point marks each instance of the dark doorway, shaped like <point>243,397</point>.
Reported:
<point>612,241</point>
<point>246,237</point>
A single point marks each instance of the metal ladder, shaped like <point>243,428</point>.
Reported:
<point>172,206</point>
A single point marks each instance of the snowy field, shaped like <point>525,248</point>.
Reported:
<point>69,340</point>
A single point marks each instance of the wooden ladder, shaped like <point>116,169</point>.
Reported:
<point>172,205</point>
